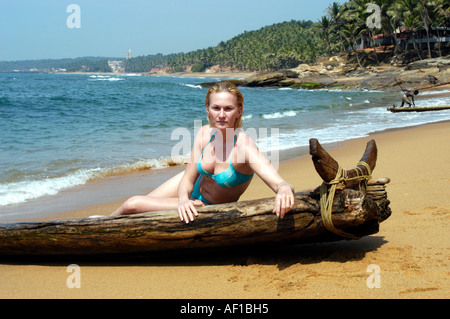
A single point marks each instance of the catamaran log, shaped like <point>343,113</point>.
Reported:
<point>418,108</point>
<point>358,212</point>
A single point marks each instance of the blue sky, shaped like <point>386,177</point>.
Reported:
<point>37,29</point>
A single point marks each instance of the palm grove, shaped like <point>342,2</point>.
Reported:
<point>287,44</point>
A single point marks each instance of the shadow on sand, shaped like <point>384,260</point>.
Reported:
<point>281,256</point>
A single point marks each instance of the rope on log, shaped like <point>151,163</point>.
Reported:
<point>326,201</point>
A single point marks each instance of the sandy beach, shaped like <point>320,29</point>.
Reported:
<point>411,250</point>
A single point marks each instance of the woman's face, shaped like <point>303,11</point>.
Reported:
<point>223,110</point>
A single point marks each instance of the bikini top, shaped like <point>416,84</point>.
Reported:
<point>228,178</point>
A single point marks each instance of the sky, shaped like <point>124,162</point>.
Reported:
<point>53,29</point>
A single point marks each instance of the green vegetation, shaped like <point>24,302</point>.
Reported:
<point>311,85</point>
<point>146,63</point>
<point>288,44</point>
<point>282,45</point>
<point>85,65</point>
<point>279,46</point>
<point>201,67</point>
<point>346,26</point>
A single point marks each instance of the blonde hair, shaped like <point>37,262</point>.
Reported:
<point>227,87</point>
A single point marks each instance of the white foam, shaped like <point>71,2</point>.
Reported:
<point>192,86</point>
<point>434,102</point>
<point>360,124</point>
<point>105,78</point>
<point>278,115</point>
<point>434,92</point>
<point>19,192</point>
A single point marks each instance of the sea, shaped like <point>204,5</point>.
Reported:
<point>60,132</point>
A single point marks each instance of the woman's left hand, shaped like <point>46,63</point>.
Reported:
<point>284,200</point>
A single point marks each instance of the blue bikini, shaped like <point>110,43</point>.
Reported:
<point>228,178</point>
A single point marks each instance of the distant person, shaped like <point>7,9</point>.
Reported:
<point>406,97</point>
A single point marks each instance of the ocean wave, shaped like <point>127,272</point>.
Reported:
<point>278,115</point>
<point>361,123</point>
<point>433,102</point>
<point>192,86</point>
<point>434,92</point>
<point>19,192</point>
<point>104,78</point>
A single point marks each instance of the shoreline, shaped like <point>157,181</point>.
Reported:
<point>112,191</point>
<point>176,74</point>
<point>148,180</point>
<point>412,248</point>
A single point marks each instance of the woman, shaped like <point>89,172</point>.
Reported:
<point>222,165</point>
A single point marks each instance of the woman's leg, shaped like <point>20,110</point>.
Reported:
<point>168,189</point>
<point>143,204</point>
<point>164,197</point>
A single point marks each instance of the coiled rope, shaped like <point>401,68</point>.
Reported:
<point>327,192</point>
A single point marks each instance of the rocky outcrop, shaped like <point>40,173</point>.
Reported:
<point>439,63</point>
<point>418,75</point>
<point>337,73</point>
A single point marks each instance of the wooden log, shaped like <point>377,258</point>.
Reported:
<point>217,226</point>
<point>227,225</point>
<point>327,167</point>
<point>418,108</point>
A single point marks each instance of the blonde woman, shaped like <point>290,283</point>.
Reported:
<point>223,162</point>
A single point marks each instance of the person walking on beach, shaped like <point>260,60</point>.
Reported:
<point>223,162</point>
<point>406,97</point>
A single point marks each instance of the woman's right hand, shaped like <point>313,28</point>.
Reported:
<point>187,209</point>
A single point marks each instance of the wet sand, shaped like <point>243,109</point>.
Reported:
<point>411,250</point>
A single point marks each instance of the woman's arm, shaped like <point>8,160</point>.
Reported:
<point>186,206</point>
<point>284,199</point>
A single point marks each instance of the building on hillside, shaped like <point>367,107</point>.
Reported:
<point>116,66</point>
<point>437,36</point>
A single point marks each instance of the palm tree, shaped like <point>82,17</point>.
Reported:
<point>423,5</point>
<point>439,13</point>
<point>325,25</point>
<point>352,32</point>
<point>388,23</point>
<point>406,14</point>
<point>334,12</point>
<point>357,12</point>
